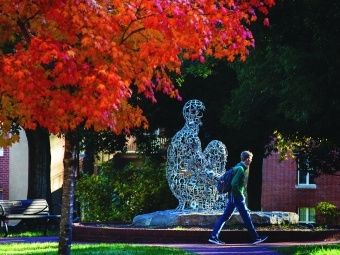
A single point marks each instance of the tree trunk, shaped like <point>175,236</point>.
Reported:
<point>65,236</point>
<point>39,164</point>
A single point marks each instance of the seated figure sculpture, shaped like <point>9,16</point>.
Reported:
<point>190,172</point>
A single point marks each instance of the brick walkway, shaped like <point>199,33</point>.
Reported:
<point>234,249</point>
<point>203,249</point>
<point>237,249</point>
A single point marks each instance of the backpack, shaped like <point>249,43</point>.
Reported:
<point>224,182</point>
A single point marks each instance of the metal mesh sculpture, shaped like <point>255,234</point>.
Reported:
<point>190,171</point>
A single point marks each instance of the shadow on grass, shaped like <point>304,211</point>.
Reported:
<point>31,228</point>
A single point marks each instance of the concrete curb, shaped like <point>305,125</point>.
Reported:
<point>145,235</point>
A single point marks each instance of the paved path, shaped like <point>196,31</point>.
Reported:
<point>235,249</point>
<point>239,248</point>
<point>203,249</point>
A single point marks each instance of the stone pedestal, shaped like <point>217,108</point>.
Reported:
<point>173,218</point>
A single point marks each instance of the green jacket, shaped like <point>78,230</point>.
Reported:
<point>237,183</point>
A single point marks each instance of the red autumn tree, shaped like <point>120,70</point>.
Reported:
<point>75,62</point>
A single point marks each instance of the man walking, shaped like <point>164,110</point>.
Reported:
<point>236,200</point>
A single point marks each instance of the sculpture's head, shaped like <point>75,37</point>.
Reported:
<point>193,112</point>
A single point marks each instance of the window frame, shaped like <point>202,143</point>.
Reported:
<point>306,185</point>
<point>308,215</point>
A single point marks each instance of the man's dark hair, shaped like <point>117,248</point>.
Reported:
<point>245,155</point>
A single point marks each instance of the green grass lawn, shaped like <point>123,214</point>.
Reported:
<point>51,248</point>
<point>31,229</point>
<point>98,249</point>
<point>331,249</point>
<point>32,233</point>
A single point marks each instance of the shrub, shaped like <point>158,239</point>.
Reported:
<point>120,194</point>
<point>327,213</point>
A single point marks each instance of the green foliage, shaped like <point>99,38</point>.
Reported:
<point>120,194</point>
<point>196,68</point>
<point>328,213</point>
<point>289,84</point>
<point>199,69</point>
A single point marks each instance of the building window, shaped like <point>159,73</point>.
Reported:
<point>305,180</point>
<point>306,215</point>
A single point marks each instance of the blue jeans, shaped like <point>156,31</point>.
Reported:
<point>239,203</point>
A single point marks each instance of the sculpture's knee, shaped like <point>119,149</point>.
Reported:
<point>216,156</point>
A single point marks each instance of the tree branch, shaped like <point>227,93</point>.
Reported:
<point>24,31</point>
<point>22,24</point>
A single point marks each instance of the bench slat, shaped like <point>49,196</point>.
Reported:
<point>29,207</point>
<point>25,209</point>
<point>35,216</point>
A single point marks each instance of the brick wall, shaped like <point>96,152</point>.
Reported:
<point>279,192</point>
<point>4,174</point>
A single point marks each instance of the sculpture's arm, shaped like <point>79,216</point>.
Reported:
<point>202,168</point>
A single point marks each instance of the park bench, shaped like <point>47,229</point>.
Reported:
<point>25,209</point>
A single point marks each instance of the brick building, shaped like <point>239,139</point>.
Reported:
<point>14,169</point>
<point>285,188</point>
<point>4,173</point>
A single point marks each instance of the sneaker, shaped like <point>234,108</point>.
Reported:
<point>215,240</point>
<point>260,239</point>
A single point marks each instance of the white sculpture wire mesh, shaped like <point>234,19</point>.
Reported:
<point>190,171</point>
